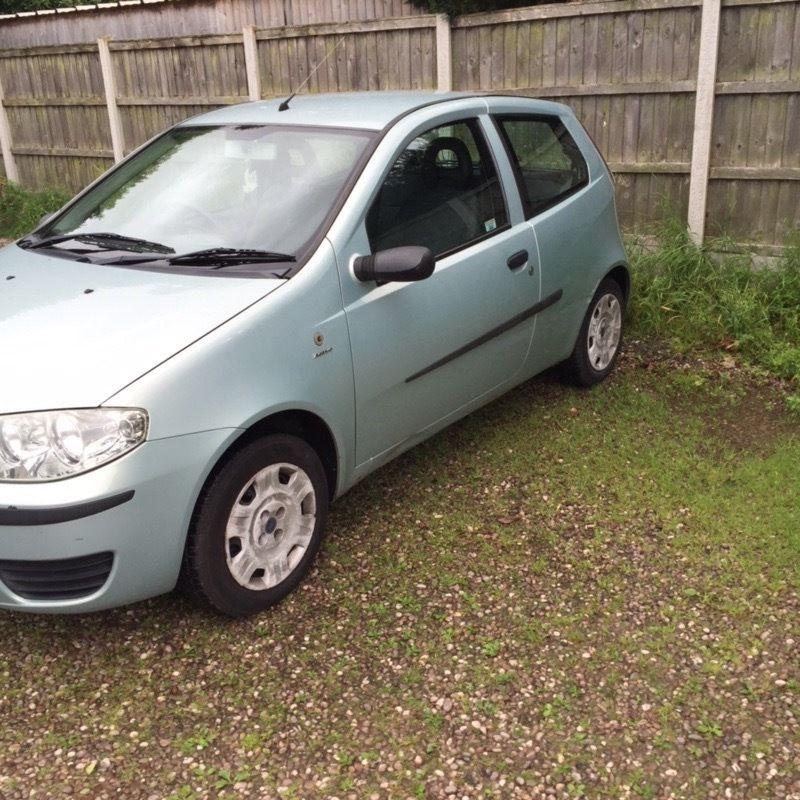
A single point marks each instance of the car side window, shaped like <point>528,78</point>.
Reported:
<point>442,193</point>
<point>548,163</point>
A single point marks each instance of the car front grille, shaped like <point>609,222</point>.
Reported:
<point>62,579</point>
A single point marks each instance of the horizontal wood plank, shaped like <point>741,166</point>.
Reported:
<point>736,173</point>
<point>758,87</point>
<point>52,102</point>
<point>121,45</point>
<point>755,173</point>
<point>63,152</point>
<point>227,100</point>
<point>561,11</point>
<point>48,50</point>
<point>600,90</point>
<point>737,3</point>
<point>654,168</point>
<point>339,28</point>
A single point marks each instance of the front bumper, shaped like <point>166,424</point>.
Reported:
<point>137,509</point>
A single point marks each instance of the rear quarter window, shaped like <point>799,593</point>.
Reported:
<point>548,164</point>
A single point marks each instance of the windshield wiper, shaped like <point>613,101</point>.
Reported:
<point>114,241</point>
<point>218,257</point>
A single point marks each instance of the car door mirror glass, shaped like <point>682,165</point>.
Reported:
<point>395,264</point>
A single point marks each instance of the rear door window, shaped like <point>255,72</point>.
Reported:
<point>442,192</point>
<point>547,161</point>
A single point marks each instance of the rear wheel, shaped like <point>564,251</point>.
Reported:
<point>600,337</point>
<point>257,527</point>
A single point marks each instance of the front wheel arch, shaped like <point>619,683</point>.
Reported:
<point>305,425</point>
<point>206,574</point>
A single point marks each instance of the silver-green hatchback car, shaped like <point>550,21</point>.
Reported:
<point>264,304</point>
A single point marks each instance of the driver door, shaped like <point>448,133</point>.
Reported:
<point>423,352</point>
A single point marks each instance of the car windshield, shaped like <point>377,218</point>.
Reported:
<point>262,187</point>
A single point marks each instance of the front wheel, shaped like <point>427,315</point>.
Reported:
<point>600,336</point>
<point>257,527</point>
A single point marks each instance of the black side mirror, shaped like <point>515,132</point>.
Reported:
<point>396,264</point>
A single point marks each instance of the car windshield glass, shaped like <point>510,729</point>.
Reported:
<point>262,187</point>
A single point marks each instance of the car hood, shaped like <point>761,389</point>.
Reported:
<point>72,334</point>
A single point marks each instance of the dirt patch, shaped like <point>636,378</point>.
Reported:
<point>742,409</point>
<point>756,422</point>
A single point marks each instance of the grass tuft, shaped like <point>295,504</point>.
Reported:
<point>697,300</point>
<point>21,209</point>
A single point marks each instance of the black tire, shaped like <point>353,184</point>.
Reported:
<point>206,576</point>
<point>578,368</point>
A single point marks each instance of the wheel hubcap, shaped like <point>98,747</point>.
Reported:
<point>270,526</point>
<point>605,328</point>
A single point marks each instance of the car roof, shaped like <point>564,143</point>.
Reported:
<point>359,110</point>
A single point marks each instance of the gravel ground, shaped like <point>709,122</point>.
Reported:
<point>568,594</point>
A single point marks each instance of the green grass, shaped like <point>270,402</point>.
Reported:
<point>21,209</point>
<point>697,300</point>
<point>557,562</point>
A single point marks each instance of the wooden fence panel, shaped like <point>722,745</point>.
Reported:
<point>377,59</point>
<point>56,112</point>
<point>160,83</point>
<point>627,67</point>
<point>757,125</point>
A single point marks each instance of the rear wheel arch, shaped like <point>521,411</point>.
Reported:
<point>622,275</point>
<point>579,368</point>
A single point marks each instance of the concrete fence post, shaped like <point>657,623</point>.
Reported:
<point>703,118</point>
<point>5,143</point>
<point>110,86</point>
<point>444,54</point>
<point>251,62</point>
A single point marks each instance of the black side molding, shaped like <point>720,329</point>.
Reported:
<point>489,335</point>
<point>27,517</point>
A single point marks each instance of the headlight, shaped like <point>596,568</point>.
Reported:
<point>45,445</point>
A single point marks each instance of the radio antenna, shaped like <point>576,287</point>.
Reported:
<point>284,106</point>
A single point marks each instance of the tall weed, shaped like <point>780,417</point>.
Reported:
<point>695,299</point>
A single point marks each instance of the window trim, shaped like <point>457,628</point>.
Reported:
<point>497,120</point>
<point>484,149</point>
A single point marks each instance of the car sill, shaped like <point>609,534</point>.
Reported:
<point>489,335</point>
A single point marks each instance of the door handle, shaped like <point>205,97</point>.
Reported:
<point>517,260</point>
